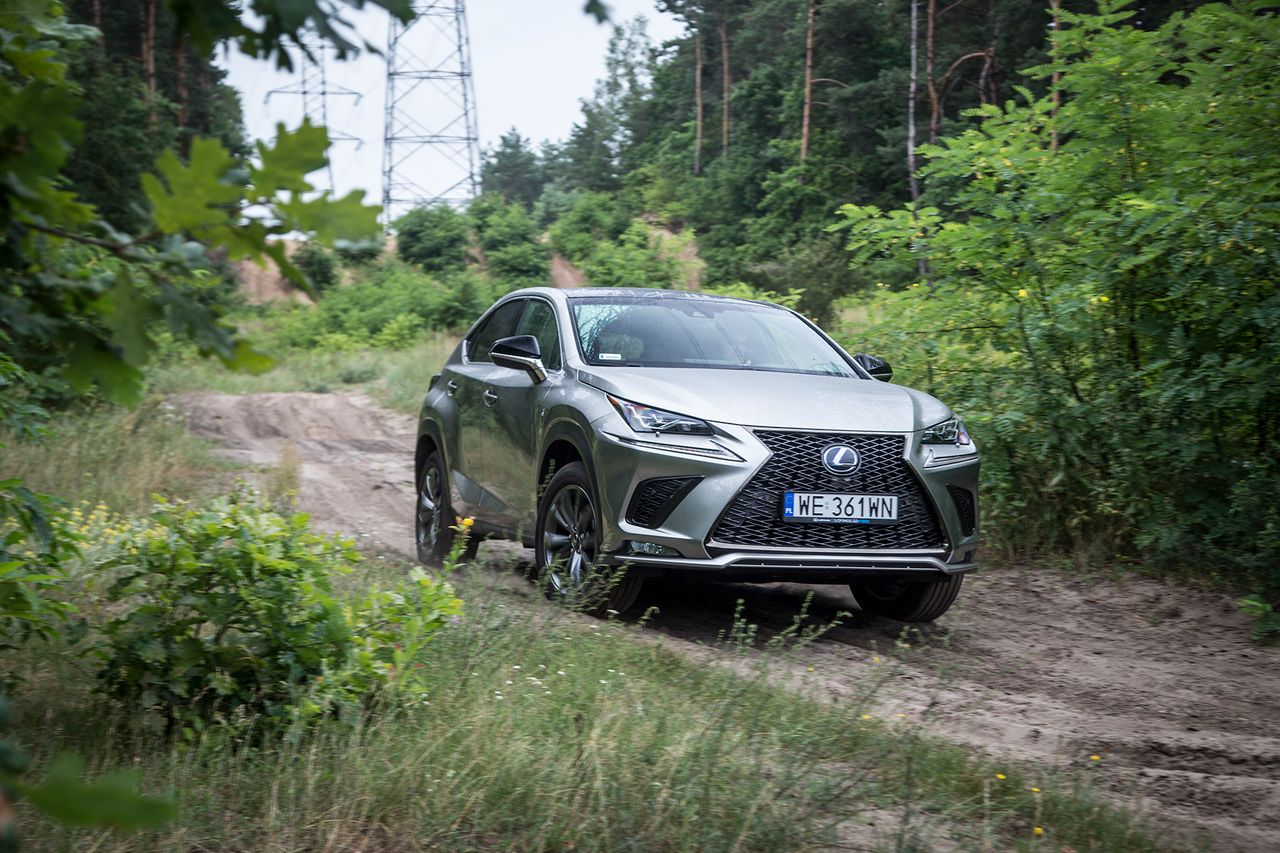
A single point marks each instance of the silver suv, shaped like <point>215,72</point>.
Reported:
<point>625,434</point>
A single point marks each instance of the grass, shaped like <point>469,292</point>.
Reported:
<point>543,729</point>
<point>117,456</point>
<point>396,378</point>
<point>547,730</point>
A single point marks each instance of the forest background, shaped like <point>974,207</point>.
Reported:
<point>1061,219</point>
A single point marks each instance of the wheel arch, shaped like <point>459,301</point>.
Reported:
<point>565,443</point>
<point>429,440</point>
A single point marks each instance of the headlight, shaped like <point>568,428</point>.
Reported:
<point>950,431</point>
<point>648,419</point>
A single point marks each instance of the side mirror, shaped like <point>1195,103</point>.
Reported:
<point>877,367</point>
<point>519,352</point>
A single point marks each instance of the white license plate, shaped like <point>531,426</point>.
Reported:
<point>836,508</point>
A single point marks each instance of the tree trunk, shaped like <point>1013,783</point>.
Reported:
<point>808,83</point>
<point>183,91</point>
<point>1056,79</point>
<point>911,106</point>
<point>723,28</point>
<point>697,102</point>
<point>984,76</point>
<point>149,57</point>
<point>922,265</point>
<point>97,20</point>
<point>935,102</point>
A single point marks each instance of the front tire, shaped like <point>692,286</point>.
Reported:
<point>567,545</point>
<point>907,600</point>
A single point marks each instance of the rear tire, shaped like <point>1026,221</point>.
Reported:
<point>567,546</point>
<point>433,517</point>
<point>907,600</point>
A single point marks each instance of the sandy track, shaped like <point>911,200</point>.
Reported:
<point>1161,682</point>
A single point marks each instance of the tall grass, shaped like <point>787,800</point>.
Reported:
<point>117,456</point>
<point>545,730</point>
<point>396,378</point>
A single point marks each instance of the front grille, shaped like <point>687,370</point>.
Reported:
<point>654,499</point>
<point>754,516</point>
<point>966,508</point>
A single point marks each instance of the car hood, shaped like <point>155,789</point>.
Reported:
<point>770,399</point>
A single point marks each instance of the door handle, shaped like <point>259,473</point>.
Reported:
<point>451,387</point>
<point>490,396</point>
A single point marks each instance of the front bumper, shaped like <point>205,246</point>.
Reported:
<point>622,466</point>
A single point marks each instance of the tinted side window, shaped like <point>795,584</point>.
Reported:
<point>500,324</point>
<point>539,320</point>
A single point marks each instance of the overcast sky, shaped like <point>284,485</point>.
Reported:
<point>532,62</point>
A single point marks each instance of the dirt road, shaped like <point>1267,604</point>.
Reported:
<point>1160,682</point>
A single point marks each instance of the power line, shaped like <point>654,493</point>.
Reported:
<point>314,89</point>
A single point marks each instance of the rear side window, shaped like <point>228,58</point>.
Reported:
<point>539,320</point>
<point>500,324</point>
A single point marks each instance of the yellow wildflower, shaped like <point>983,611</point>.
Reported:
<point>1000,776</point>
<point>1039,830</point>
<point>1022,293</point>
<point>467,522</point>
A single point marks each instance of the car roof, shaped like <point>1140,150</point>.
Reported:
<point>639,293</point>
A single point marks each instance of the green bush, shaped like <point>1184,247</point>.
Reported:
<point>514,256</point>
<point>31,553</point>
<point>594,217</point>
<point>1101,299</point>
<point>435,238</point>
<point>632,261</point>
<point>318,264</point>
<point>228,611</point>
<point>389,307</point>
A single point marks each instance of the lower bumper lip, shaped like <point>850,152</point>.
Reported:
<point>746,562</point>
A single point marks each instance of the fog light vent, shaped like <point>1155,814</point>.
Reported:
<point>654,499</point>
<point>966,508</point>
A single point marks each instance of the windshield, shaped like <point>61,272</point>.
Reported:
<point>704,333</point>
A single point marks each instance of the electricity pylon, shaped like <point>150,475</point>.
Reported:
<point>431,148</point>
<point>314,89</point>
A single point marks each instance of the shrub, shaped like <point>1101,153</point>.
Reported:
<point>513,254</point>
<point>631,262</point>
<point>319,265</point>
<point>594,217</point>
<point>434,238</point>
<point>228,611</point>
<point>359,252</point>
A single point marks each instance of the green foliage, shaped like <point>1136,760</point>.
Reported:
<point>741,290</point>
<point>593,218</point>
<point>514,254</point>
<point>32,550</point>
<point>633,261</point>
<point>1266,621</point>
<point>82,300</point>
<point>435,238</point>
<point>228,611</point>
<point>109,801</point>
<point>513,171</point>
<point>1102,305</point>
<point>390,306</point>
<point>317,264</point>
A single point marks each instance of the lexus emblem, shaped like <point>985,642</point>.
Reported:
<point>841,460</point>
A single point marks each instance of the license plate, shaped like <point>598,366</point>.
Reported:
<point>836,508</point>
